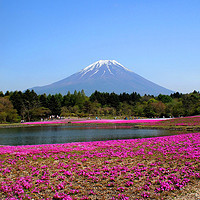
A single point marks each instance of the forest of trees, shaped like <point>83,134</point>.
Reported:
<point>28,106</point>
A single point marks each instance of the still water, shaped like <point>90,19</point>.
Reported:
<point>69,133</point>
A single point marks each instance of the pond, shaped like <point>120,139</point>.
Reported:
<point>70,133</point>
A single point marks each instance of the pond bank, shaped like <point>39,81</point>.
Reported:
<point>172,124</point>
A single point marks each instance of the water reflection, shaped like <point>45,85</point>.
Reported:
<point>65,134</point>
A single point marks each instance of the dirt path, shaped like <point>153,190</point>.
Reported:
<point>192,192</point>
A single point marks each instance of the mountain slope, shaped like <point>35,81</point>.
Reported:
<point>104,76</point>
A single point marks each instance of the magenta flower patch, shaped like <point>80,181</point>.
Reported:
<point>120,169</point>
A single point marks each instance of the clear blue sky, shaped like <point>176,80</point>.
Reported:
<point>43,41</point>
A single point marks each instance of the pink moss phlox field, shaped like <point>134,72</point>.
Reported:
<point>134,121</point>
<point>103,121</point>
<point>182,121</point>
<point>153,168</point>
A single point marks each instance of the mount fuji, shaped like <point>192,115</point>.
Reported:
<point>104,76</point>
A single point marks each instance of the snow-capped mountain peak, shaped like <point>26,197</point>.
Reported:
<point>104,76</point>
<point>103,68</point>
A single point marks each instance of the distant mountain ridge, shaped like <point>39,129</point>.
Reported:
<point>104,76</point>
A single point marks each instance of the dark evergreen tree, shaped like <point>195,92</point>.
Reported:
<point>54,105</point>
<point>113,100</point>
<point>43,100</point>
<point>7,93</point>
<point>17,101</point>
<point>66,100</point>
<point>1,94</point>
<point>176,95</point>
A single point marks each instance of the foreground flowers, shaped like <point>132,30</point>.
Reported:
<point>152,168</point>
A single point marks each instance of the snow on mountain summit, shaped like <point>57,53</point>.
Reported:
<point>103,68</point>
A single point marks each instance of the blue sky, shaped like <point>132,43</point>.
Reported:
<point>45,41</point>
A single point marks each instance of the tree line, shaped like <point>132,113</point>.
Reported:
<point>29,106</point>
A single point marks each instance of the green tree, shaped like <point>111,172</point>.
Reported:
<point>125,109</point>
<point>54,105</point>
<point>87,107</point>
<point>66,100</point>
<point>164,98</point>
<point>138,109</point>
<point>1,94</point>
<point>40,112</point>
<point>113,100</point>
<point>7,112</point>
<point>43,100</point>
<point>30,102</point>
<point>7,93</point>
<point>65,112</point>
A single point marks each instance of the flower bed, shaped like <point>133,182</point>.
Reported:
<point>103,121</point>
<point>182,121</point>
<point>152,168</point>
<point>110,121</point>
